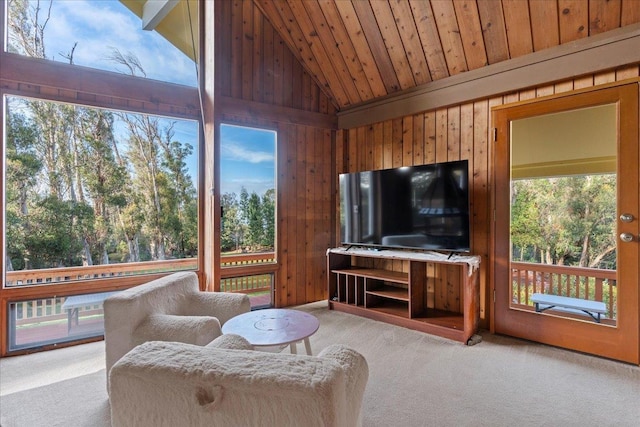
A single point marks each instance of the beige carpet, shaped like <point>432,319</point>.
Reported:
<point>415,380</point>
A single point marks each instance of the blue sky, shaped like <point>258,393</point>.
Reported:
<point>247,156</point>
<point>248,159</point>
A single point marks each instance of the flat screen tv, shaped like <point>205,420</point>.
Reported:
<point>417,207</point>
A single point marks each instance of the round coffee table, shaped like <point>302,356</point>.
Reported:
<point>274,327</point>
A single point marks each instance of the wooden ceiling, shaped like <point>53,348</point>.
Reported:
<point>359,50</point>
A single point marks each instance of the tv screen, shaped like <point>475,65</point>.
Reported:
<point>417,207</point>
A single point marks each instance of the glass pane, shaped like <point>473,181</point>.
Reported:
<point>105,35</point>
<point>257,287</point>
<point>55,320</point>
<point>247,171</point>
<point>87,188</point>
<point>563,214</point>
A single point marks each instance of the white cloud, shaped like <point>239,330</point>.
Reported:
<point>257,186</point>
<point>98,26</point>
<point>232,151</point>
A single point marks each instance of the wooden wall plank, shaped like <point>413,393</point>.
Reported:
<point>341,37</point>
<point>466,131</point>
<point>417,152</point>
<point>493,30</point>
<point>453,133</point>
<point>279,13</point>
<point>441,135</point>
<point>376,44</point>
<point>247,50</point>
<point>318,35</point>
<point>428,33</point>
<point>278,70</point>
<point>471,33</point>
<point>543,15</point>
<point>378,145</point>
<point>516,17</point>
<point>630,12</point>
<point>360,45</point>
<point>369,149</point>
<point>287,77</point>
<point>256,34</point>
<point>309,221</point>
<point>387,137</point>
<point>449,31</point>
<point>235,54</point>
<point>223,49</point>
<point>268,64</point>
<point>396,142</point>
<point>604,16</point>
<point>429,137</point>
<point>407,141</point>
<point>573,20</point>
<point>410,41</point>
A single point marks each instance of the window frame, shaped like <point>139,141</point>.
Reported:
<point>58,82</point>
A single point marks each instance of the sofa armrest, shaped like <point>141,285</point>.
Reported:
<point>197,330</point>
<point>357,374</point>
<point>230,342</point>
<point>222,305</point>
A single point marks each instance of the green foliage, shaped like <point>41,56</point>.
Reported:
<point>565,220</point>
<point>248,223</point>
<point>75,196</point>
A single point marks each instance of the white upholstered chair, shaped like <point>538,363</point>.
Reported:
<point>171,308</point>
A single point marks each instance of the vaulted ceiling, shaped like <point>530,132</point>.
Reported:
<point>359,50</point>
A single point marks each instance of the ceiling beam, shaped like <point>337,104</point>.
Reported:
<point>154,11</point>
<point>582,57</point>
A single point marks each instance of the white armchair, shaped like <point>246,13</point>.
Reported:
<point>171,308</point>
<point>225,384</point>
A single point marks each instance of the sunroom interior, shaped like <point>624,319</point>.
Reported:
<point>347,86</point>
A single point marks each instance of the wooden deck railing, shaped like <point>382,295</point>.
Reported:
<point>577,282</point>
<point>242,274</point>
<point>70,274</point>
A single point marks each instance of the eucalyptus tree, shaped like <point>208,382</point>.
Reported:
<point>103,177</point>
<point>268,209</point>
<point>57,144</point>
<point>231,227</point>
<point>22,168</point>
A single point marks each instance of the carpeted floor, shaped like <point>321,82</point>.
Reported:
<point>415,380</point>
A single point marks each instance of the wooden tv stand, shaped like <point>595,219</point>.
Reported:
<point>401,287</point>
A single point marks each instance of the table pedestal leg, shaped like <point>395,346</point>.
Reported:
<point>307,346</point>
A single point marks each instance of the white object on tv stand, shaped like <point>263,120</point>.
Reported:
<point>400,298</point>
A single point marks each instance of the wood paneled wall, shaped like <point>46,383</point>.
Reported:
<point>452,133</point>
<point>256,70</point>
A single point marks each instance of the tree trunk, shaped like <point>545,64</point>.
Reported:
<point>134,249</point>
<point>584,254</point>
<point>86,253</point>
<point>105,257</point>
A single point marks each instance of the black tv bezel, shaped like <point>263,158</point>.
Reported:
<point>380,246</point>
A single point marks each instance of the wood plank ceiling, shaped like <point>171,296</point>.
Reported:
<point>359,50</point>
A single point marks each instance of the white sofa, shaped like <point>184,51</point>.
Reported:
<point>171,308</point>
<point>175,384</point>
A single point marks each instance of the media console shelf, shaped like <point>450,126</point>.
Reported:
<point>401,287</point>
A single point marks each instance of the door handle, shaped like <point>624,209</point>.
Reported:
<point>626,217</point>
<point>626,237</point>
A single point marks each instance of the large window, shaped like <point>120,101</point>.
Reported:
<point>91,187</point>
<point>100,178</point>
<point>99,34</point>
<point>248,223</point>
